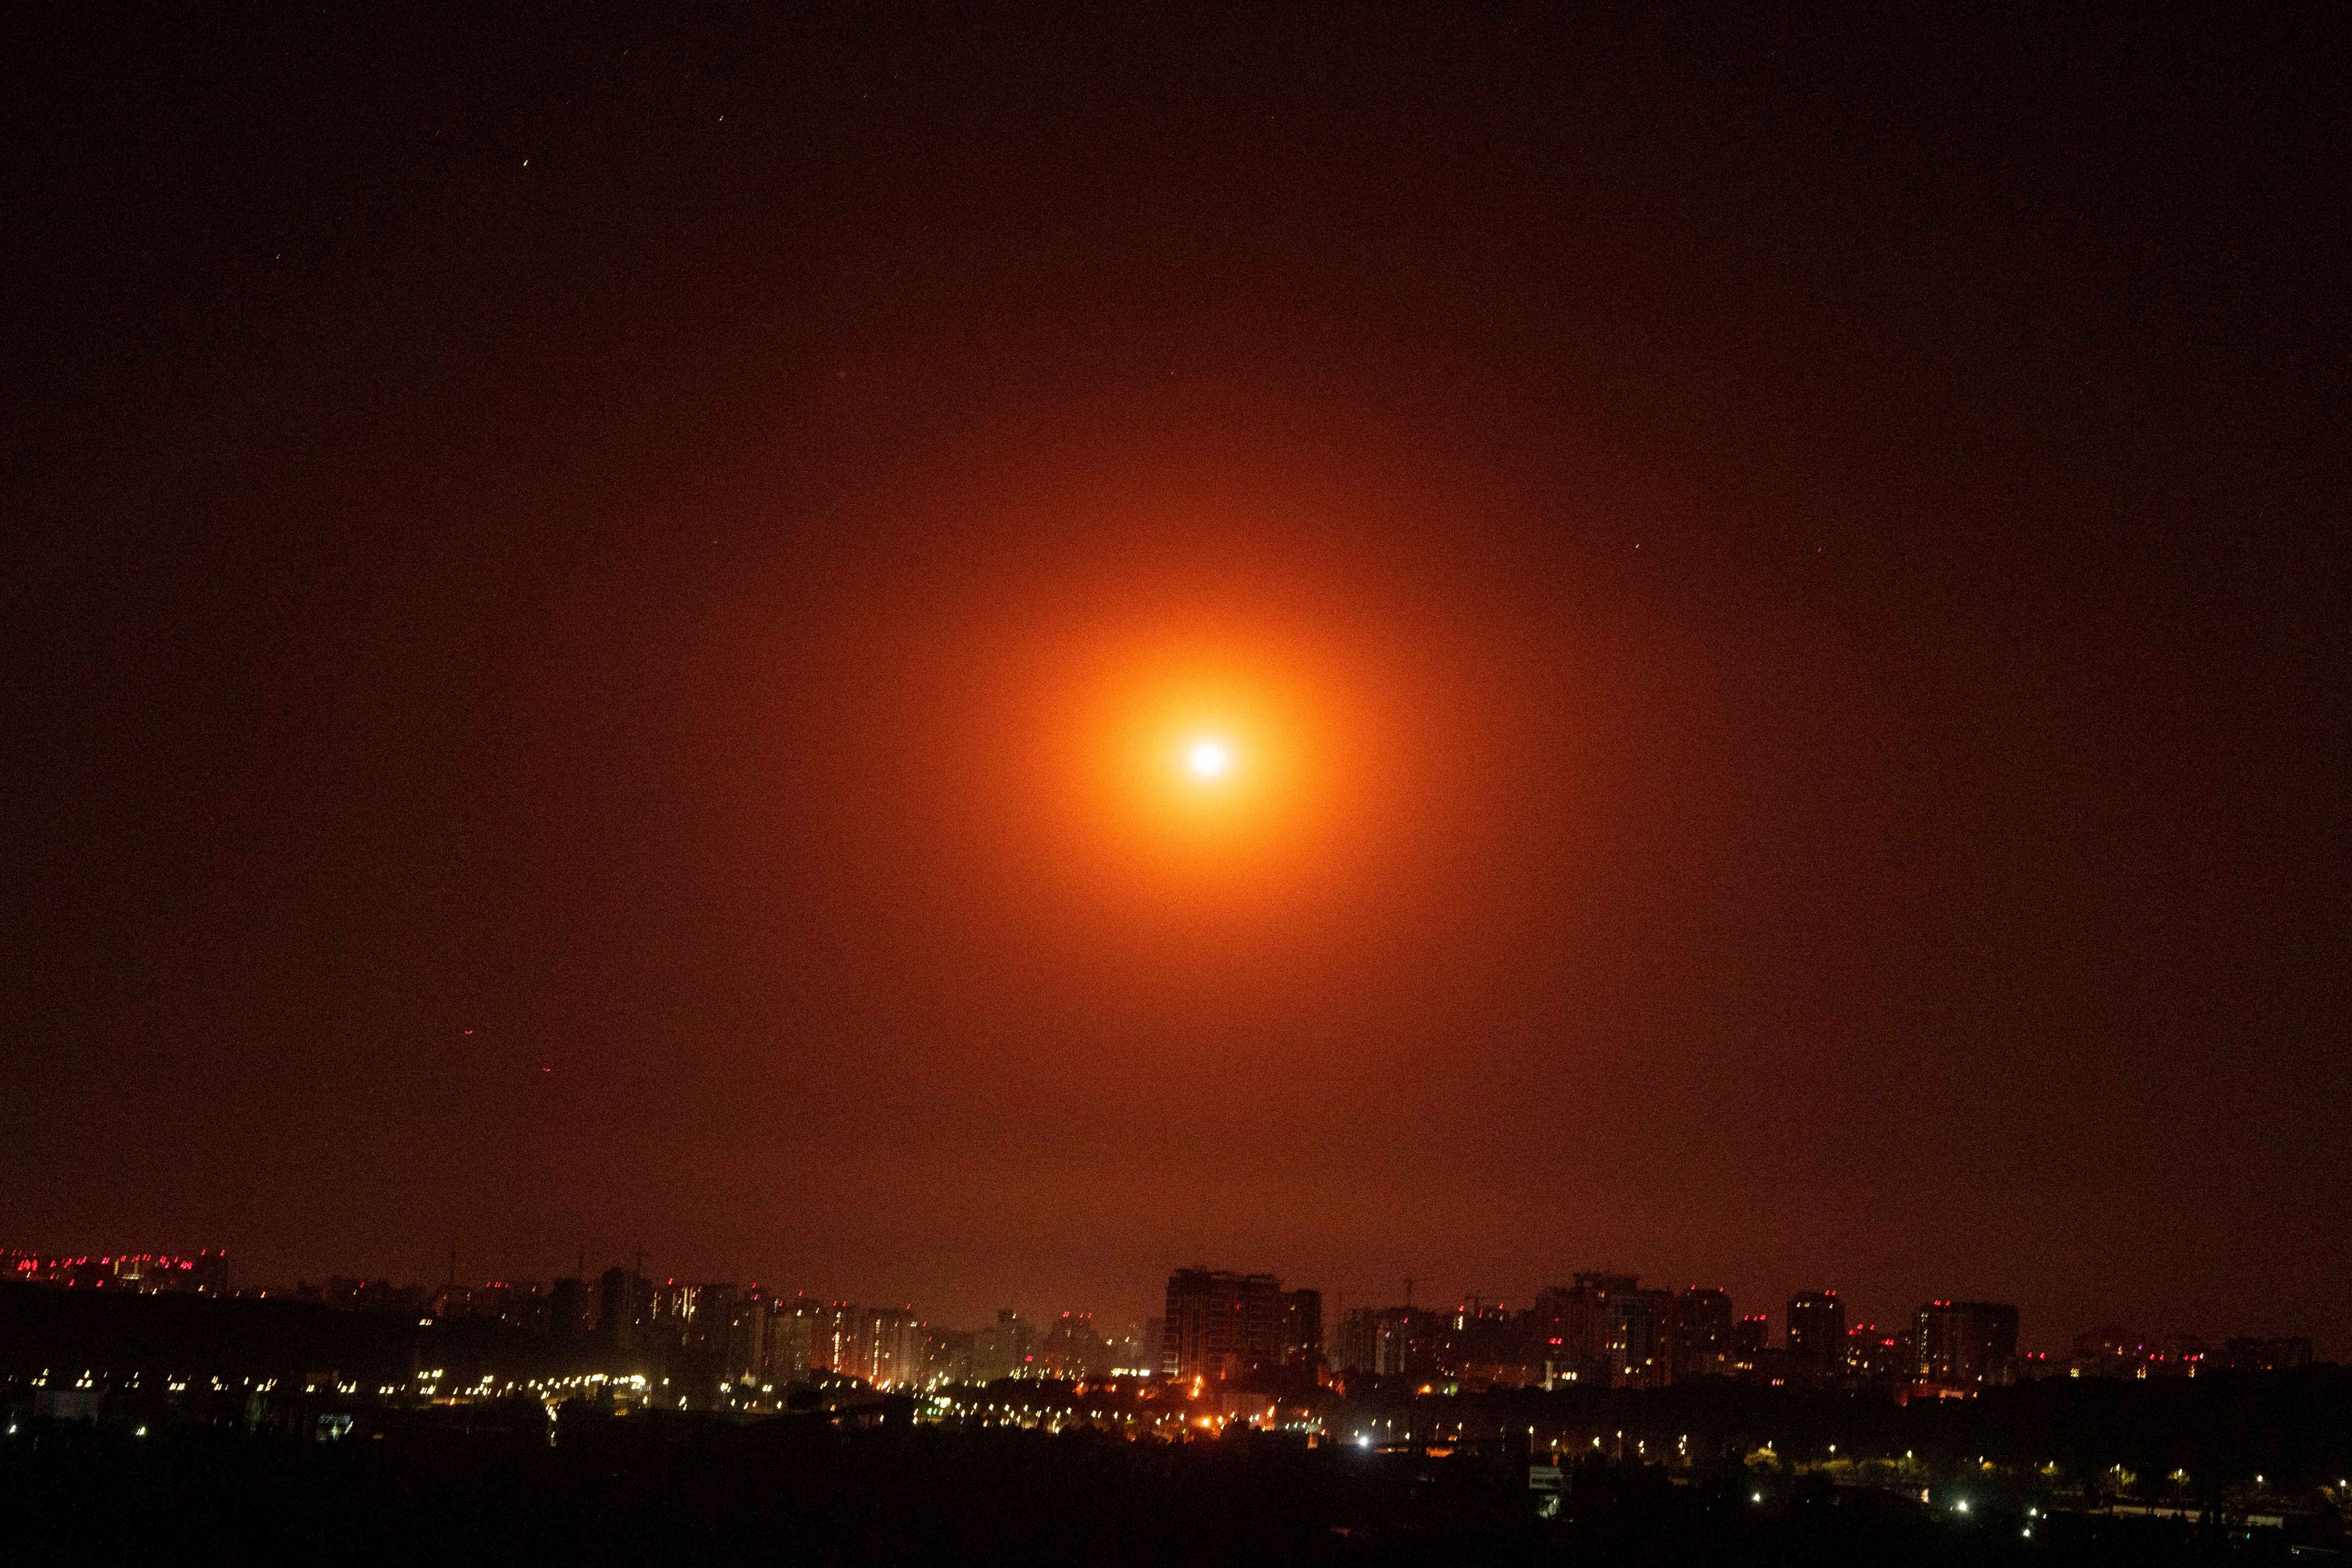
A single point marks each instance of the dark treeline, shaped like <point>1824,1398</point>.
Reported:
<point>659,1490</point>
<point>2293,1428</point>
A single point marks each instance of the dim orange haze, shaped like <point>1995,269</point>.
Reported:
<point>957,663</point>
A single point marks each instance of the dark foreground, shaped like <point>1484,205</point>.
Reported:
<point>652,1490</point>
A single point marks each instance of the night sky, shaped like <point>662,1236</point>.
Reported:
<point>592,606</point>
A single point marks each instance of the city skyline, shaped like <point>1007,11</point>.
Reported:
<point>1773,1315</point>
<point>1220,1329</point>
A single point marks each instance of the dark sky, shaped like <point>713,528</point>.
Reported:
<point>574,587</point>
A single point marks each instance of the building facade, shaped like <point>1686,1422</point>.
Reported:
<point>1222,1324</point>
<point>1963,1344</point>
<point>1817,1332</point>
<point>1703,1329</point>
<point>1301,1333</point>
<point>1390,1342</point>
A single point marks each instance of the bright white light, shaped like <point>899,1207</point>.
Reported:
<point>1209,758</point>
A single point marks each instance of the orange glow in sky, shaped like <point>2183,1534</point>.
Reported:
<point>1219,757</point>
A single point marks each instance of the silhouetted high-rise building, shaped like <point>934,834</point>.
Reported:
<point>1579,1328</point>
<point>1484,1342</point>
<point>885,1346</point>
<point>892,1346</point>
<point>1005,1348</point>
<point>623,1304</point>
<point>1640,1338</point>
<point>791,1339</point>
<point>1605,1329</point>
<point>707,1318</point>
<point>747,1346</point>
<point>1703,1326</point>
<point>669,1320</point>
<point>611,1300</point>
<point>1961,1344</point>
<point>208,1273</point>
<point>1221,1323</point>
<point>1817,1332</point>
<point>1750,1337</point>
<point>729,1331</point>
<point>1551,1327</point>
<point>567,1309</point>
<point>1301,1334</point>
<point>1072,1348</point>
<point>948,1355</point>
<point>1390,1342</point>
<point>1873,1354</point>
<point>2250,1354</point>
<point>715,1330</point>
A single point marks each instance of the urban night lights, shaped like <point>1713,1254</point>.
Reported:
<point>1599,1376</point>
